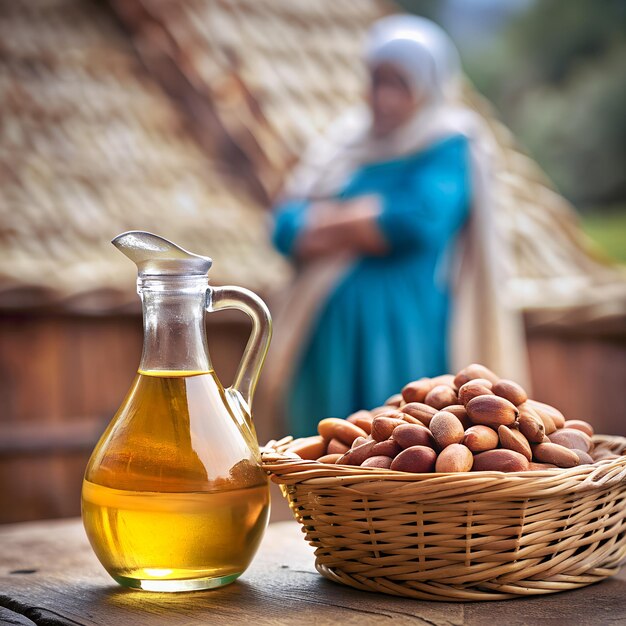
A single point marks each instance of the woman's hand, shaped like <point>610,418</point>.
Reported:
<point>342,226</point>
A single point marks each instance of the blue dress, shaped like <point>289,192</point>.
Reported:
<point>385,322</point>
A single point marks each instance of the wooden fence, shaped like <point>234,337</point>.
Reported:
<point>62,377</point>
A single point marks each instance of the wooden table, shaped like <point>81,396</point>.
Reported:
<point>49,576</point>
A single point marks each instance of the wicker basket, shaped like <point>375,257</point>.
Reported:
<point>472,536</point>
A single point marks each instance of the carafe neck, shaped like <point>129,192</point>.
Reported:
<point>174,330</point>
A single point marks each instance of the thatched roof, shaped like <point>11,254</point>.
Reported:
<point>264,75</point>
<point>90,146</point>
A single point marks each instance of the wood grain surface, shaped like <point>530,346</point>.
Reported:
<point>49,576</point>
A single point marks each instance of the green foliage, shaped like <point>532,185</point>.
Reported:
<point>556,74</point>
<point>578,130</point>
<point>554,35</point>
<point>425,8</point>
<point>608,229</point>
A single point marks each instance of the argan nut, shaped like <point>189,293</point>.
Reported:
<point>411,420</point>
<point>533,466</point>
<point>389,447</point>
<point>310,448</point>
<point>510,390</point>
<point>548,423</point>
<point>480,438</point>
<point>530,424</point>
<point>337,447</point>
<point>446,429</point>
<point>333,427</point>
<point>359,441</point>
<point>418,459</point>
<point>362,419</point>
<point>555,454</point>
<point>481,381</point>
<point>460,412</point>
<point>473,388</point>
<point>491,411</point>
<point>380,461</point>
<point>395,400</point>
<point>356,456</point>
<point>393,413</point>
<point>514,440</point>
<point>580,425</point>
<point>329,458</point>
<point>584,458</point>
<point>443,379</point>
<point>542,408</point>
<point>408,435</point>
<point>455,458</point>
<point>572,439</point>
<point>380,410</point>
<point>353,417</point>
<point>423,412</point>
<point>500,461</point>
<point>473,371</point>
<point>440,396</point>
<point>416,391</point>
<point>383,426</point>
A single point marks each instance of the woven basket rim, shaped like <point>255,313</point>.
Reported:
<point>285,469</point>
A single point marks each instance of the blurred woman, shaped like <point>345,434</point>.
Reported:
<point>377,222</point>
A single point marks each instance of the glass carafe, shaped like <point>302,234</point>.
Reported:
<point>174,497</point>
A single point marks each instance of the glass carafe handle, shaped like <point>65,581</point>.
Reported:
<point>231,297</point>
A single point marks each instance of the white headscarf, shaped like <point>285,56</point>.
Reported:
<point>428,61</point>
<point>421,50</point>
<point>483,328</point>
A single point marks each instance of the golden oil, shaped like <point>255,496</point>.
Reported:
<point>174,497</point>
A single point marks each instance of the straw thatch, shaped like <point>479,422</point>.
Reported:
<point>90,146</point>
<point>267,75</point>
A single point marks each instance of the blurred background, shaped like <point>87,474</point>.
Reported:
<point>554,71</point>
<point>185,117</point>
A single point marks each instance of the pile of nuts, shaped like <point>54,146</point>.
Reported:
<point>469,422</point>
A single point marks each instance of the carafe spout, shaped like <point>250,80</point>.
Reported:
<point>157,256</point>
